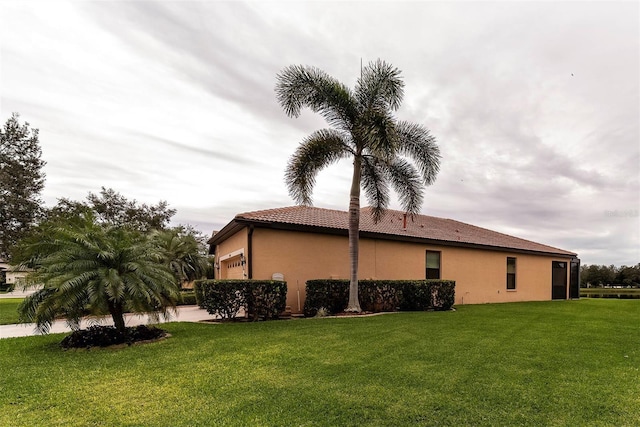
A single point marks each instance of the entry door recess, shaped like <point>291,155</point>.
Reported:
<point>559,280</point>
<point>574,279</point>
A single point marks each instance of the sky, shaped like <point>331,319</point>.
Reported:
<point>535,105</point>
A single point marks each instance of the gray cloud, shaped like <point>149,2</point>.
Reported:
<point>535,105</point>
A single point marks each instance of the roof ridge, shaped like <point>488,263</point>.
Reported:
<point>427,227</point>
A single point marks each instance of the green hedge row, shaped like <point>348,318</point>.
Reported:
<point>7,287</point>
<point>187,298</point>
<point>380,295</point>
<point>261,299</point>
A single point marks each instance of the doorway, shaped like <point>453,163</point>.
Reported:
<point>559,280</point>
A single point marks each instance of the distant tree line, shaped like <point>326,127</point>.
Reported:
<point>596,276</point>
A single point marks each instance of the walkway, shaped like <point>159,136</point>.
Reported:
<point>186,313</point>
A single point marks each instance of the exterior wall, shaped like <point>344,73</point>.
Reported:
<point>228,256</point>
<point>299,257</point>
<point>480,275</point>
<point>13,276</point>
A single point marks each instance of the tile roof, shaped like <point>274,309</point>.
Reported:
<point>418,227</point>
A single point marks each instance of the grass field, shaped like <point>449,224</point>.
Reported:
<point>9,310</point>
<point>569,363</point>
<point>629,291</point>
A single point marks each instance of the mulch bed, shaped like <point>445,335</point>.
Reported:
<point>109,336</point>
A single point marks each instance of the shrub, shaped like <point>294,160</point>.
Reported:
<point>187,298</point>
<point>223,297</point>
<point>416,296</point>
<point>104,336</point>
<point>197,290</point>
<point>443,293</point>
<point>265,299</point>
<point>7,287</point>
<point>380,295</point>
<point>332,294</point>
<point>261,299</point>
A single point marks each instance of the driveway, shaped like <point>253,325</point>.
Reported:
<point>186,313</point>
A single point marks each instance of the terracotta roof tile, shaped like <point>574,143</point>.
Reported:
<point>392,224</point>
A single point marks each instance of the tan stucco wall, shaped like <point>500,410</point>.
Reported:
<point>13,276</point>
<point>480,275</point>
<point>235,243</point>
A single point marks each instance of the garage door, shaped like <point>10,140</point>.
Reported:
<point>233,268</point>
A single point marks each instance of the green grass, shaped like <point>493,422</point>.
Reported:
<point>553,363</point>
<point>9,310</point>
<point>628,291</point>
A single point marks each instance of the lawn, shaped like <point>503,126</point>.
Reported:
<point>9,310</point>
<point>552,363</point>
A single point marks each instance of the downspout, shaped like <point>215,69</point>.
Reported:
<point>250,252</point>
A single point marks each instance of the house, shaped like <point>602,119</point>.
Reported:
<point>302,243</point>
<point>11,275</point>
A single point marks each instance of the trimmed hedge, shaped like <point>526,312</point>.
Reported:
<point>187,298</point>
<point>7,287</point>
<point>261,299</point>
<point>380,295</point>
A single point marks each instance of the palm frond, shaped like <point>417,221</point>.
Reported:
<point>377,130</point>
<point>300,86</point>
<point>380,87</point>
<point>407,183</point>
<point>417,143</point>
<point>316,152</point>
<point>375,186</point>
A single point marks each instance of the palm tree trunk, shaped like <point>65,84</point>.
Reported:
<point>117,314</point>
<point>354,230</point>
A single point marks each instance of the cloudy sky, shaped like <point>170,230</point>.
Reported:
<point>535,105</point>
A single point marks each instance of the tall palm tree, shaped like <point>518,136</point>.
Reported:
<point>385,152</point>
<point>92,269</point>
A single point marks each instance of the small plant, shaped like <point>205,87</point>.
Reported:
<point>322,312</point>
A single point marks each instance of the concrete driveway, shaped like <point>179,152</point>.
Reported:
<point>186,313</point>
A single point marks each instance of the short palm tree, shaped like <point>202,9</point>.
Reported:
<point>385,152</point>
<point>97,270</point>
<point>183,252</point>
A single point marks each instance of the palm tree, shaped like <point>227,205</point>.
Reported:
<point>362,127</point>
<point>183,252</point>
<point>97,270</point>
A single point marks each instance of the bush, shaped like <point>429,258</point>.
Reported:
<point>416,296</point>
<point>197,290</point>
<point>443,293</point>
<point>380,295</point>
<point>187,298</point>
<point>261,299</point>
<point>7,287</point>
<point>104,336</point>
<point>265,299</point>
<point>223,297</point>
<point>332,294</point>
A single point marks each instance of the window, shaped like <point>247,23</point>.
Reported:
<point>433,265</point>
<point>511,273</point>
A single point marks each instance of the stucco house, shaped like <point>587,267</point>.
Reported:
<point>302,243</point>
<point>10,274</point>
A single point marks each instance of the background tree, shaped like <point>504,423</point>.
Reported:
<point>114,209</point>
<point>184,252</point>
<point>363,128</point>
<point>89,268</point>
<point>21,181</point>
<point>603,275</point>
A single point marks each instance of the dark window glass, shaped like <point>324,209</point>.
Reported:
<point>511,273</point>
<point>433,265</point>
